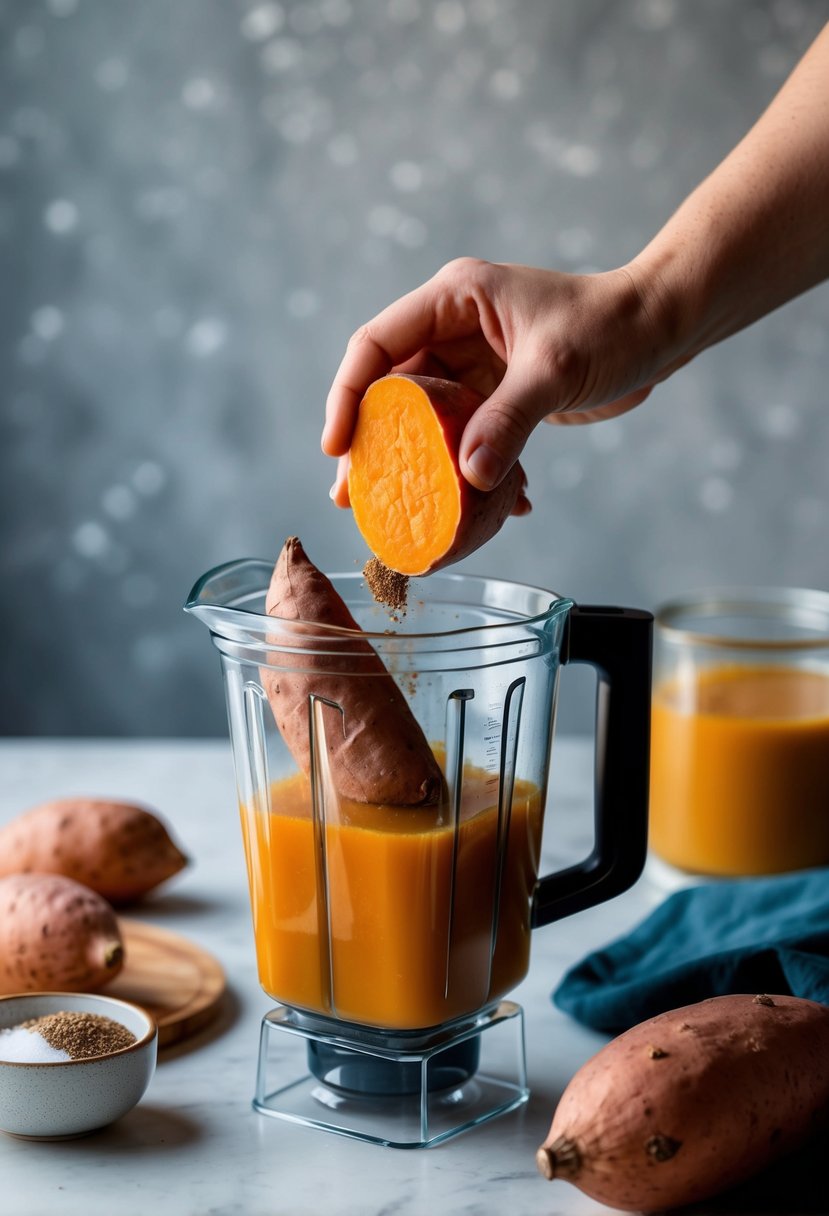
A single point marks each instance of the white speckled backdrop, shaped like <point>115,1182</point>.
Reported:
<point>201,199</point>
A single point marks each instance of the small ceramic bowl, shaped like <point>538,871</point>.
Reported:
<point>65,1099</point>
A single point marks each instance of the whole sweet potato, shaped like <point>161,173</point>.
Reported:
<point>692,1102</point>
<point>56,935</point>
<point>415,509</point>
<point>376,750</point>
<point>118,849</point>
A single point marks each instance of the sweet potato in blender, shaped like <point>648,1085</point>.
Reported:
<point>377,752</point>
<point>415,509</point>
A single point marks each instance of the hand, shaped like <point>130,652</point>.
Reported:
<point>538,344</point>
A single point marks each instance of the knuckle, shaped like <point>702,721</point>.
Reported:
<point>564,366</point>
<point>361,336</point>
<point>511,420</point>
<point>465,269</point>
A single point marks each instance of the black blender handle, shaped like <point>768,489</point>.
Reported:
<point>618,643</point>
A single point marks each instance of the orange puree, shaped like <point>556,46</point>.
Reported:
<point>740,770</point>
<point>388,909</point>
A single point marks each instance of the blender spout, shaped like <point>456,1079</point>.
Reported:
<point>228,592</point>
<point>208,614</point>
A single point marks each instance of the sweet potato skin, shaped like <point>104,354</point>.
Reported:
<point>692,1102</point>
<point>119,849</point>
<point>481,513</point>
<point>56,935</point>
<point>377,751</point>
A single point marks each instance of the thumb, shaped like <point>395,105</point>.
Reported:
<point>498,430</point>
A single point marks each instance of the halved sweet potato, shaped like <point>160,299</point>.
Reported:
<point>415,509</point>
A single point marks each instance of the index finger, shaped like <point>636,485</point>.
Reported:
<point>365,360</point>
<point>396,334</point>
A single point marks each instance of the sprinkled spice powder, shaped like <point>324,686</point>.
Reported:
<point>387,586</point>
<point>81,1035</point>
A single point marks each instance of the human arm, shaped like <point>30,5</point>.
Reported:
<point>755,233</point>
<point>578,348</point>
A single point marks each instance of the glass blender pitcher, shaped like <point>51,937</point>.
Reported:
<point>390,935</point>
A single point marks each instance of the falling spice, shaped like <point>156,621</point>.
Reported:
<point>80,1034</point>
<point>387,586</point>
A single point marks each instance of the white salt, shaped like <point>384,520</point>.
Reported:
<point>21,1046</point>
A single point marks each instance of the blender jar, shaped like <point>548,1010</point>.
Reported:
<point>400,921</point>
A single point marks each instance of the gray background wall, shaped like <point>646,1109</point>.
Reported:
<point>201,199</point>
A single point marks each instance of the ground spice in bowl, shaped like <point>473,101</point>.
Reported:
<point>76,1035</point>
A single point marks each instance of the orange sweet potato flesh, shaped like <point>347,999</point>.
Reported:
<point>376,750</point>
<point>56,935</point>
<point>692,1102</point>
<point>119,849</point>
<point>413,506</point>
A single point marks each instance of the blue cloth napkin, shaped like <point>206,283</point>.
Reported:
<point>740,935</point>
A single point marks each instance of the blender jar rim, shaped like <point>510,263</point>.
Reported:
<point>303,627</point>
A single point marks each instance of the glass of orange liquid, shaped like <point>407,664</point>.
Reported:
<point>740,734</point>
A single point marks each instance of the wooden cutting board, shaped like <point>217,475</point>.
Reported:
<point>176,981</point>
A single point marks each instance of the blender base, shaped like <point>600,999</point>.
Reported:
<point>424,1114</point>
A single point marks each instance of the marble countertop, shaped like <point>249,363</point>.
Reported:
<point>194,1143</point>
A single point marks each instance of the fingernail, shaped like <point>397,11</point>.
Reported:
<point>486,464</point>
<point>332,493</point>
